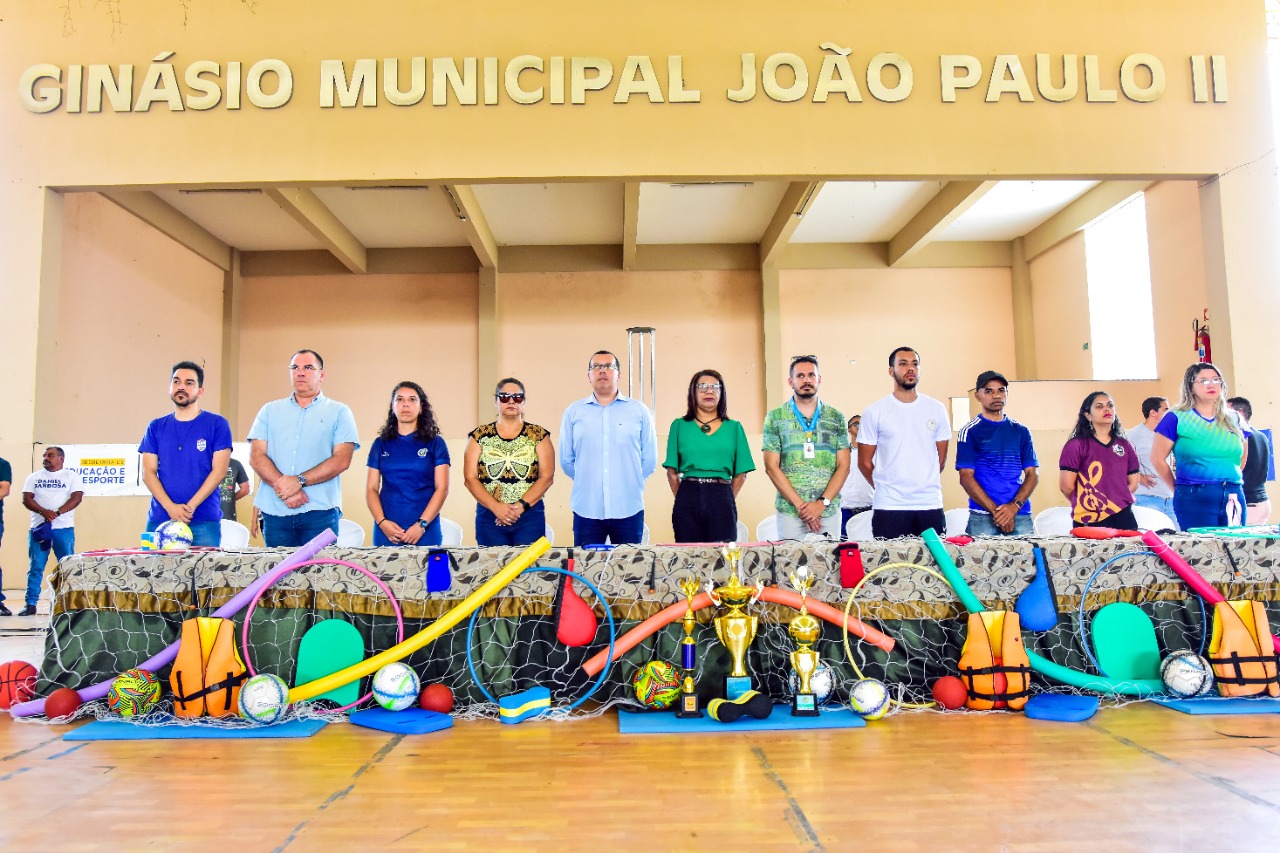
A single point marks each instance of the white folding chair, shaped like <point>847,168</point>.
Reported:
<point>450,533</point>
<point>957,521</point>
<point>859,527</point>
<point>350,534</point>
<point>550,534</point>
<point>743,532</point>
<point>1054,521</point>
<point>234,535</point>
<point>767,529</point>
<point>1152,519</point>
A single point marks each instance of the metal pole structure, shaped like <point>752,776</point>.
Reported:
<point>636,370</point>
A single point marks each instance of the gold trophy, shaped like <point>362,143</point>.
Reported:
<point>804,629</point>
<point>735,628</point>
<point>688,706</point>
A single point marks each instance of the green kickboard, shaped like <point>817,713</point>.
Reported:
<point>329,646</point>
<point>1125,642</point>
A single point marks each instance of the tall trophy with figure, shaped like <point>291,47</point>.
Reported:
<point>804,629</point>
<point>688,705</point>
<point>735,628</point>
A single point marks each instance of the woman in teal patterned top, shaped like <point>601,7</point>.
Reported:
<point>707,462</point>
<point>1209,447</point>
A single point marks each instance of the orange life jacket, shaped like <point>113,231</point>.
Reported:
<point>1240,650</point>
<point>983,670</point>
<point>207,672</point>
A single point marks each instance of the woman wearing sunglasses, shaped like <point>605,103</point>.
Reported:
<point>707,462</point>
<point>509,465</point>
<point>1209,447</point>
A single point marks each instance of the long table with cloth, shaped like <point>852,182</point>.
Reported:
<point>112,611</point>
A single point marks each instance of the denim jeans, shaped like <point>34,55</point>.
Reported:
<point>1205,504</point>
<point>619,531</point>
<point>791,527</point>
<point>982,524</point>
<point>1164,505</point>
<point>64,545</point>
<point>204,533</point>
<point>294,531</point>
<point>526,530</point>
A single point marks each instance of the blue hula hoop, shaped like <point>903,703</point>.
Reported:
<point>1080,621</point>
<point>471,628</point>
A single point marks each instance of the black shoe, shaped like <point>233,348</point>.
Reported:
<point>29,610</point>
<point>4,611</point>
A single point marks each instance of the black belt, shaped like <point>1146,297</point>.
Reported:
<point>720,480</point>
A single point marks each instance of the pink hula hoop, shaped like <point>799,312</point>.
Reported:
<point>278,573</point>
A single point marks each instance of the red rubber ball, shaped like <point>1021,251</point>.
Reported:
<point>949,692</point>
<point>436,697</point>
<point>62,703</point>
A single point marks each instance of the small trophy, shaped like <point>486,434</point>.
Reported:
<point>735,628</point>
<point>804,630</point>
<point>688,706</point>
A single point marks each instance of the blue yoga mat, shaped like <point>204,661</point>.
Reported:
<point>1222,705</point>
<point>780,720</point>
<point>411,721</point>
<point>120,730</point>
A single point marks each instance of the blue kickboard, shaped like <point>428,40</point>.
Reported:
<point>1060,707</point>
<point>1223,705</point>
<point>120,730</point>
<point>411,721</point>
<point>665,722</point>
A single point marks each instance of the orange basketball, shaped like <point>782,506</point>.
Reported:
<point>436,697</point>
<point>17,683</point>
<point>949,692</point>
<point>62,703</point>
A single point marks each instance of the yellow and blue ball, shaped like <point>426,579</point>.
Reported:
<point>173,536</point>
<point>656,684</point>
<point>134,693</point>
<point>869,698</point>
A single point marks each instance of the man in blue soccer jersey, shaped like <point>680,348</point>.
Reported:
<point>997,464</point>
<point>184,458</point>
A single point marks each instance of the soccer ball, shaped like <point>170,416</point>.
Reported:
<point>134,693</point>
<point>1186,673</point>
<point>396,686</point>
<point>173,536</point>
<point>264,698</point>
<point>869,698</point>
<point>822,682</point>
<point>656,684</point>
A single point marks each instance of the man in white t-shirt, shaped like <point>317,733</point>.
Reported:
<point>52,495</point>
<point>902,449</point>
<point>1152,491</point>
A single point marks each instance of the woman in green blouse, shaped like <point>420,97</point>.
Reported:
<point>707,462</point>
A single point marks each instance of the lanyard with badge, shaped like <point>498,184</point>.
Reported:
<point>810,427</point>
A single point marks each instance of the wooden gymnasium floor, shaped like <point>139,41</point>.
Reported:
<point>1133,778</point>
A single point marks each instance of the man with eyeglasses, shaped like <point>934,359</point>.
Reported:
<point>997,464</point>
<point>902,449</point>
<point>299,445</point>
<point>609,447</point>
<point>806,455</point>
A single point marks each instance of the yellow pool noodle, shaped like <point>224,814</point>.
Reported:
<point>429,634</point>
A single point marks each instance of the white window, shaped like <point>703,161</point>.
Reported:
<point>1121,328</point>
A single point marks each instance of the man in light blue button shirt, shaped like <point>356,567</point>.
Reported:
<point>299,447</point>
<point>609,447</point>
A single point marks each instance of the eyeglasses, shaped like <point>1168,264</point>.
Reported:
<point>707,386</point>
<point>504,397</point>
<point>1209,383</point>
<point>609,366</point>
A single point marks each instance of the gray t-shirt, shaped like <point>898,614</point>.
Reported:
<point>1141,437</point>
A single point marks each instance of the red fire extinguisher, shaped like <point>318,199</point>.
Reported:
<point>1203,345</point>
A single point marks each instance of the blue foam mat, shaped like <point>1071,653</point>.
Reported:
<point>411,721</point>
<point>1222,705</point>
<point>120,730</point>
<point>780,720</point>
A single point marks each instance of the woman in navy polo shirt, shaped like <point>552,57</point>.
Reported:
<point>408,472</point>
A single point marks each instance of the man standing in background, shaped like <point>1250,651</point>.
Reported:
<point>1256,465</point>
<point>6,483</point>
<point>52,495</point>
<point>184,455</point>
<point>234,486</point>
<point>1152,492</point>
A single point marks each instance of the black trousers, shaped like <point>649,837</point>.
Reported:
<point>894,523</point>
<point>704,512</point>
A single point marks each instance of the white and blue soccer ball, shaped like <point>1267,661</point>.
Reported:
<point>264,698</point>
<point>1186,674</point>
<point>396,686</point>
<point>869,698</point>
<point>822,682</point>
<point>173,536</point>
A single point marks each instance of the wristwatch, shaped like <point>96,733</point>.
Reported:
<point>826,502</point>
<point>423,523</point>
<point>1018,504</point>
<point>302,479</point>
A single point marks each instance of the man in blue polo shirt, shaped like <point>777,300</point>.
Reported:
<point>997,464</point>
<point>299,446</point>
<point>184,457</point>
<point>609,447</point>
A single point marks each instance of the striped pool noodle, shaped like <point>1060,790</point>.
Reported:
<point>231,608</point>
